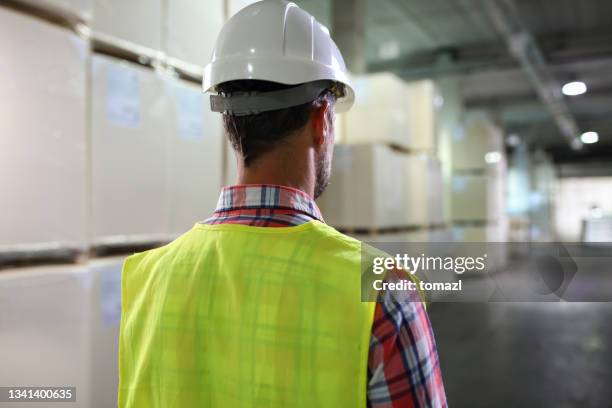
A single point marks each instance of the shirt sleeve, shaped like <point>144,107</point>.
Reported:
<point>403,365</point>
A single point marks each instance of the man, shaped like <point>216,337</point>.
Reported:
<point>259,305</point>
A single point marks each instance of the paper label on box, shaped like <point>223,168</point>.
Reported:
<point>189,113</point>
<point>122,97</point>
<point>84,277</point>
<point>458,183</point>
<point>110,296</point>
<point>458,134</point>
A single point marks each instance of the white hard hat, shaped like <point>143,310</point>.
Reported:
<point>276,41</point>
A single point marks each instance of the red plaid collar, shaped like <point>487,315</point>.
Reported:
<point>269,196</point>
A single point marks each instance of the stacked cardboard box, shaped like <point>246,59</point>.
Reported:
<point>46,328</point>
<point>340,129</point>
<point>156,154</point>
<point>491,238</point>
<point>421,236</point>
<point>390,111</point>
<point>192,28</point>
<point>423,200</point>
<point>104,307</point>
<point>478,197</point>
<point>380,112</point>
<point>130,125</point>
<point>81,9</point>
<point>136,22</point>
<point>194,153</point>
<point>423,103</point>
<point>471,143</point>
<point>367,188</point>
<point>168,27</point>
<point>492,232</point>
<point>479,173</point>
<point>42,134</point>
<point>478,186</point>
<point>440,235</point>
<point>399,119</point>
<point>160,27</point>
<point>60,326</point>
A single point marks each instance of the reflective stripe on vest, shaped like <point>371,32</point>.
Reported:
<point>239,316</point>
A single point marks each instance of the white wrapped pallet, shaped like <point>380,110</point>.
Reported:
<point>380,90</point>
<point>372,125</point>
<point>494,235</point>
<point>471,144</point>
<point>423,202</point>
<point>340,129</point>
<point>195,157</point>
<point>105,316</point>
<point>380,112</point>
<point>136,21</point>
<point>440,235</point>
<point>422,115</point>
<point>367,188</point>
<point>81,9</point>
<point>46,329</point>
<point>131,120</point>
<point>418,237</point>
<point>187,20</point>
<point>477,197</point>
<point>60,326</point>
<point>490,232</point>
<point>435,192</point>
<point>391,111</point>
<point>42,134</point>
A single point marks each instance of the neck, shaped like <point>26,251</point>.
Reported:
<point>281,168</point>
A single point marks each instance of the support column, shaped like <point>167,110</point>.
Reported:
<point>348,31</point>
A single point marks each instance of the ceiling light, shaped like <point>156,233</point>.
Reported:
<point>589,137</point>
<point>513,140</point>
<point>389,50</point>
<point>574,88</point>
<point>438,101</point>
<point>493,157</point>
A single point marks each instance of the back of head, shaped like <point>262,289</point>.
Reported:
<point>254,135</point>
<point>273,64</point>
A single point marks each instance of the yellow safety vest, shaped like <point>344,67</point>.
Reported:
<point>240,316</point>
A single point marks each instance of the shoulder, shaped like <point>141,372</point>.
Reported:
<point>348,242</point>
<point>329,232</point>
<point>152,255</point>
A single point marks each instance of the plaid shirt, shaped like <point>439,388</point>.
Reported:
<point>403,365</point>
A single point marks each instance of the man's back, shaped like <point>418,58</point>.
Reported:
<point>234,315</point>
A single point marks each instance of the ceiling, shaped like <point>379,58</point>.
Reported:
<point>437,38</point>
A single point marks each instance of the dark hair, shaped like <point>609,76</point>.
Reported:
<point>254,135</point>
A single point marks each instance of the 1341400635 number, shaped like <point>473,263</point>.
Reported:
<point>37,394</point>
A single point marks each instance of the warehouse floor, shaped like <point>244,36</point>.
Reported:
<point>527,354</point>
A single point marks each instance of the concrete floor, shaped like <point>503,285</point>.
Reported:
<point>527,354</point>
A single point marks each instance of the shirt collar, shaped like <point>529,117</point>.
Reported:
<point>270,196</point>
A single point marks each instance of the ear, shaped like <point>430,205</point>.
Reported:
<point>319,124</point>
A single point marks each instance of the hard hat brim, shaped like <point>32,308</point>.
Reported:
<point>281,70</point>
